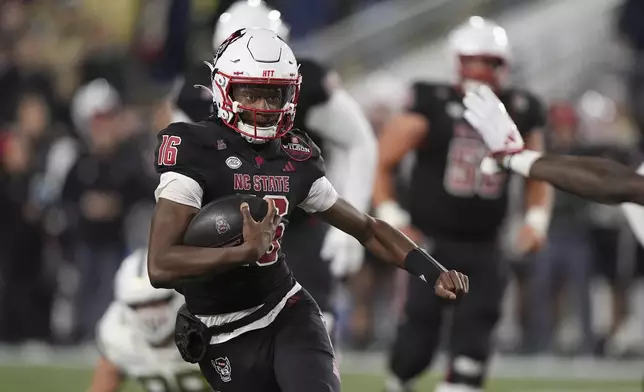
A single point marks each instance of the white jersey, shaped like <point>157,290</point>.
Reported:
<point>635,214</point>
<point>158,369</point>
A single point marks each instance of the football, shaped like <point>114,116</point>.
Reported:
<point>220,223</point>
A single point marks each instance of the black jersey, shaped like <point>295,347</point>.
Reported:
<point>449,196</point>
<point>224,163</point>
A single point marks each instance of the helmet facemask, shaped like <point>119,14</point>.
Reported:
<point>261,110</point>
<point>155,319</point>
<point>481,69</point>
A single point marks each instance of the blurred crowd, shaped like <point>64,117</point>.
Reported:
<point>82,84</point>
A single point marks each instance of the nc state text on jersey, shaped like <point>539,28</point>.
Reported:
<point>261,183</point>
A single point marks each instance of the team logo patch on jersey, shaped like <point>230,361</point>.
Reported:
<point>297,149</point>
<point>222,366</point>
<point>221,225</point>
<point>233,162</point>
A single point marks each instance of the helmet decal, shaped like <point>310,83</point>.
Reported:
<point>232,38</point>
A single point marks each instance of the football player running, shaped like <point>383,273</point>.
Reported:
<point>598,179</point>
<point>135,336</point>
<point>248,323</point>
<point>327,113</point>
<point>457,209</point>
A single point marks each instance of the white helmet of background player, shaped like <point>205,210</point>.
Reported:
<point>256,84</point>
<point>96,98</point>
<point>151,312</point>
<point>481,51</point>
<point>248,13</point>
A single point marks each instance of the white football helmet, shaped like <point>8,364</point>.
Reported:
<point>481,38</point>
<point>256,57</point>
<point>151,312</point>
<point>248,13</point>
<point>95,98</point>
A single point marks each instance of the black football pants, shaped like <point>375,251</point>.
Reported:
<point>472,320</point>
<point>293,354</point>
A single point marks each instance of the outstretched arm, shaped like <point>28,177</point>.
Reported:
<point>598,179</point>
<point>393,246</point>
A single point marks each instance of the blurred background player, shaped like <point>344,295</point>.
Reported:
<point>457,210</point>
<point>326,112</point>
<point>135,336</point>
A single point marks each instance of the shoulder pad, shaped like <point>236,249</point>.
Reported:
<point>433,91</point>
<point>523,103</point>
<point>520,100</point>
<point>299,146</point>
<point>183,129</point>
<point>180,148</point>
<point>427,95</point>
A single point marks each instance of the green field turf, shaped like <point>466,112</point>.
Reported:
<point>49,379</point>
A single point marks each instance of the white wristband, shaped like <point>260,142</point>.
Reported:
<point>539,219</point>
<point>521,162</point>
<point>392,213</point>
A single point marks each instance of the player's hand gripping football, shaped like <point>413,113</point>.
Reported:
<point>487,114</point>
<point>452,285</point>
<point>258,236</point>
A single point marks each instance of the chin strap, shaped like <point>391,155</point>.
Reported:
<point>250,129</point>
